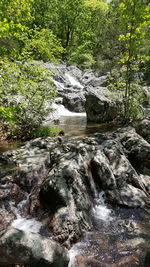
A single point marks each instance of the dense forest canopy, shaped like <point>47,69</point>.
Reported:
<point>109,36</point>
<point>85,32</point>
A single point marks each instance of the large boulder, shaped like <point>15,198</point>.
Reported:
<point>30,249</point>
<point>101,105</point>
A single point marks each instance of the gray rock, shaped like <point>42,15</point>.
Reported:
<point>121,168</point>
<point>146,91</point>
<point>65,182</point>
<point>143,129</point>
<point>56,178</point>
<point>137,149</point>
<point>101,105</point>
<point>101,171</point>
<point>89,78</point>
<point>99,81</point>
<point>74,102</point>
<point>19,247</point>
<point>128,195</point>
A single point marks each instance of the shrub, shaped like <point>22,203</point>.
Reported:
<point>24,90</point>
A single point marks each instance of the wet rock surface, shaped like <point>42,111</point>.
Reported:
<point>52,181</point>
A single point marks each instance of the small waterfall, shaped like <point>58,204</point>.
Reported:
<point>102,217</point>
<point>73,81</point>
<point>60,110</point>
<point>100,211</point>
<point>59,85</point>
<point>21,223</point>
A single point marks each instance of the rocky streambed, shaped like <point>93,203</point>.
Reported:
<point>51,197</point>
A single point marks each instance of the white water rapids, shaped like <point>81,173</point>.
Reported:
<point>73,81</point>
<point>60,110</point>
<point>21,223</point>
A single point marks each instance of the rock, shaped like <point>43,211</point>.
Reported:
<point>99,81</point>
<point>137,149</point>
<point>74,71</point>
<point>143,129</point>
<point>128,196</point>
<point>6,217</point>
<point>89,78</point>
<point>101,172</point>
<point>121,168</point>
<point>85,261</point>
<point>131,243</point>
<point>101,105</point>
<point>112,171</point>
<point>146,92</point>
<point>74,102</point>
<point>19,247</point>
<point>51,173</point>
<point>65,182</point>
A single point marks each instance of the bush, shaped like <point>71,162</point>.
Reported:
<point>45,131</point>
<point>24,90</point>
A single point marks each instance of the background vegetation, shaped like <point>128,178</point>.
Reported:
<point>109,37</point>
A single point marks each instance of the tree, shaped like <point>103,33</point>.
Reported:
<point>134,24</point>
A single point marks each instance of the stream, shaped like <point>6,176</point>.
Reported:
<point>120,236</point>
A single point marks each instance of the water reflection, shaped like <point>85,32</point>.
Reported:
<point>77,127</point>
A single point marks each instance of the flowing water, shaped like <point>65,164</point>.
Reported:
<point>119,237</point>
<point>73,81</point>
<point>75,124</point>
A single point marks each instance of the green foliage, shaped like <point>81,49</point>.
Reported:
<point>82,56</point>
<point>15,20</point>
<point>134,21</point>
<point>24,90</point>
<point>88,33</point>
<point>43,45</point>
<point>45,131</point>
